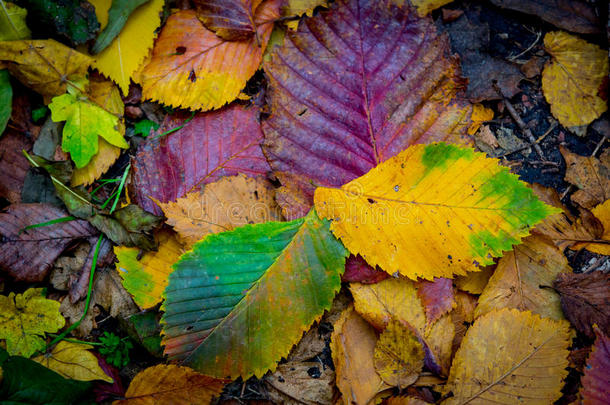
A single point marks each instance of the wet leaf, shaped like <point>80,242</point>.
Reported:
<point>73,361</point>
<point>6,99</point>
<point>595,383</point>
<point>527,359</point>
<point>119,12</point>
<point>12,22</point>
<point>218,328</point>
<point>436,297</point>
<point>193,68</point>
<point>337,111</point>
<point>168,383</point>
<point>573,80</point>
<point>584,300</point>
<point>127,52</point>
<point>24,319</point>
<point>168,167</point>
<point>464,207</point>
<point>522,280</point>
<point>229,19</point>
<point>590,175</point>
<point>399,355</point>
<point>27,255</point>
<point>222,206</point>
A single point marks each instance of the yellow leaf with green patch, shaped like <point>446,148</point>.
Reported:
<point>24,319</point>
<point>463,207</point>
<point>73,361</point>
<point>12,22</point>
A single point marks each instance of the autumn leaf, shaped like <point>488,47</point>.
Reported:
<point>169,167</point>
<point>602,213</point>
<point>474,282</point>
<point>120,60</point>
<point>337,111</point>
<point>168,383</point>
<point>590,175</point>
<point>297,8</point>
<point>522,280</point>
<point>309,381</point>
<point>573,80</point>
<point>464,207</point>
<point>508,355</point>
<point>436,297</point>
<point>222,206</point>
<point>399,355</point>
<point>24,319</point>
<point>13,165</point>
<point>218,328</point>
<point>12,22</point>
<point>146,277</point>
<point>357,270</point>
<point>405,400</point>
<point>118,14</point>
<point>229,19</point>
<point>595,383</point>
<point>425,7</point>
<point>73,361</point>
<point>480,114</point>
<point>193,68</point>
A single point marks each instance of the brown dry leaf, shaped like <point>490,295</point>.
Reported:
<point>222,206</point>
<point>353,346</point>
<point>509,357</point>
<point>573,81</point>
<point>73,361</point>
<point>171,384</point>
<point>399,355</point>
<point>462,316</point>
<point>296,383</point>
<point>523,277</point>
<point>13,164</point>
<point>602,213</point>
<point>439,338</point>
<point>474,282</point>
<point>590,175</point>
<point>229,19</point>
<point>405,401</point>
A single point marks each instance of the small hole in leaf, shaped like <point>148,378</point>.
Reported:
<point>180,50</point>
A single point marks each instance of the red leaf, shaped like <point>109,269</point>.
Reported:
<point>596,381</point>
<point>13,164</point>
<point>436,297</point>
<point>357,270</point>
<point>105,391</point>
<point>211,145</point>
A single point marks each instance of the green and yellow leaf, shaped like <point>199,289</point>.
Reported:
<point>12,22</point>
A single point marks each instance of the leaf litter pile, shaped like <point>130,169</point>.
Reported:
<point>304,202</point>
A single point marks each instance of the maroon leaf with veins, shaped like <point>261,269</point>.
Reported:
<point>353,87</point>
<point>27,255</point>
<point>357,270</point>
<point>596,381</point>
<point>229,19</point>
<point>436,297</point>
<point>213,144</point>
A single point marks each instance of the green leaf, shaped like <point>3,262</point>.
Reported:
<point>84,122</point>
<point>143,127</point>
<point>39,113</point>
<point>239,300</point>
<point>12,22</point>
<point>6,99</point>
<point>145,329</point>
<point>117,17</point>
<point>27,382</point>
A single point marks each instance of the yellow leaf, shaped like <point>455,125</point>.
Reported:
<point>510,357</point>
<point>479,115</point>
<point>145,279</point>
<point>352,345</point>
<point>462,206</point>
<point>424,7</point>
<point>602,213</point>
<point>572,80</point>
<point>222,206</point>
<point>399,356</point>
<point>439,338</point>
<point>24,318</point>
<point>474,281</point>
<point>170,384</point>
<point>193,68</point>
<point>12,22</point>
<point>44,65</point>
<point>73,361</point>
<point>517,281</point>
<point>129,49</point>
<point>297,8</point>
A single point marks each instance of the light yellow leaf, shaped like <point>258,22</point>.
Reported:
<point>572,80</point>
<point>399,355</point>
<point>510,357</point>
<point>73,361</point>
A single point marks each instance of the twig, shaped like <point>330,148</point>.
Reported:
<point>538,36</point>
<point>548,131</point>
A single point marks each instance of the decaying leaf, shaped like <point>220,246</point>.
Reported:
<point>480,114</point>
<point>573,81</point>
<point>193,68</point>
<point>464,207</point>
<point>222,206</point>
<point>311,383</point>
<point>73,361</point>
<point>590,175</point>
<point>247,281</point>
<point>352,346</point>
<point>12,22</point>
<point>13,165</point>
<point>596,383</point>
<point>508,356</point>
<point>168,383</point>
<point>229,19</point>
<point>523,279</point>
<point>24,319</point>
<point>399,355</point>
<point>602,213</point>
<point>202,150</point>
<point>436,297</point>
<point>584,300</point>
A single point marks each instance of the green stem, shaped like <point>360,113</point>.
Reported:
<point>83,342</point>
<point>51,222</point>
<point>177,128</point>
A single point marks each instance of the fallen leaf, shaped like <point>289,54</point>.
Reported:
<point>170,167</point>
<point>44,65</point>
<point>527,359</point>
<point>73,361</point>
<point>439,338</point>
<point>27,255</point>
<point>211,328</point>
<point>118,14</point>
<point>222,206</point>
<point>147,276</point>
<point>25,318</point>
<point>523,279</point>
<point>298,8</point>
<point>104,391</point>
<point>12,22</point>
<point>405,400</point>
<point>171,384</point>
<point>337,111</point>
<point>193,68</point>
<point>398,356</point>
<point>229,19</point>
<point>462,316</point>
<point>128,51</point>
<point>474,282</point>
<point>464,207</point>
<point>425,7</point>
<point>13,165</point>
<point>436,297</point>
<point>145,328</point>
<point>595,381</point>
<point>297,383</point>
<point>6,99</point>
<point>602,213</point>
<point>573,80</point>
<point>352,346</point>
<point>480,114</point>
<point>590,175</point>
<point>584,300</point>
<point>357,270</point>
